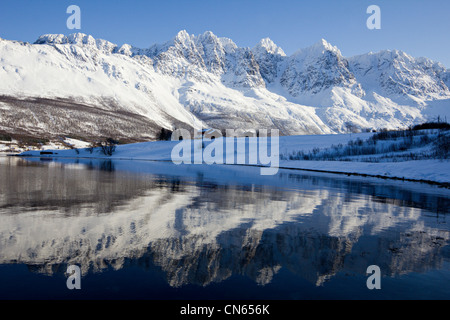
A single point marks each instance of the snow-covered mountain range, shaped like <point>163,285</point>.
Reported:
<point>78,85</point>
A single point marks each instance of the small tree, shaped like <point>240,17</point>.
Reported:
<point>442,146</point>
<point>164,134</point>
<point>351,127</point>
<point>108,146</point>
<point>91,147</point>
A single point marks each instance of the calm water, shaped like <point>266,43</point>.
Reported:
<point>148,230</point>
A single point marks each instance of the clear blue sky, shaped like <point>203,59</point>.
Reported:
<point>418,27</point>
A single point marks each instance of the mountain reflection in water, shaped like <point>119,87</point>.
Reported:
<point>203,224</point>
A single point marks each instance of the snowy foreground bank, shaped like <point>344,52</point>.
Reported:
<point>428,170</point>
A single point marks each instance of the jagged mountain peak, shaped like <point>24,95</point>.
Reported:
<point>267,45</point>
<point>316,69</point>
<point>182,40</point>
<point>397,74</point>
<point>219,57</point>
<point>394,55</point>
<point>208,35</point>
<point>182,36</point>
<point>268,55</point>
<point>51,39</point>
<point>318,49</point>
<point>74,38</point>
<point>322,43</point>
<point>208,38</point>
<point>194,43</point>
<point>79,39</point>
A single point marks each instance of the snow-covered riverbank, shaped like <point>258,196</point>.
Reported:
<point>430,170</point>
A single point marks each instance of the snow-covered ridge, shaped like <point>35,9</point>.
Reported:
<point>268,46</point>
<point>397,73</point>
<point>206,80</point>
<point>79,39</point>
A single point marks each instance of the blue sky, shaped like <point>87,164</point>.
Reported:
<point>418,27</point>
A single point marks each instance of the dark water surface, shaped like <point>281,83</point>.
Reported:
<point>151,230</point>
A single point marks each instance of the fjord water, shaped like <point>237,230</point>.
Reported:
<point>154,230</point>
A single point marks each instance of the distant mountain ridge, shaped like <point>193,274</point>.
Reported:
<point>205,80</point>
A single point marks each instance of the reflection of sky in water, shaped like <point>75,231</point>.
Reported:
<point>203,224</point>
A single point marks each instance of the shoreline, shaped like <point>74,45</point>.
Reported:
<point>284,166</point>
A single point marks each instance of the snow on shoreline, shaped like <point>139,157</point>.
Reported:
<point>418,170</point>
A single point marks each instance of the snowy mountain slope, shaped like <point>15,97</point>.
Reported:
<point>81,70</point>
<point>203,56</point>
<point>205,80</point>
<point>316,68</point>
<point>268,55</point>
<point>395,73</point>
<point>383,90</point>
